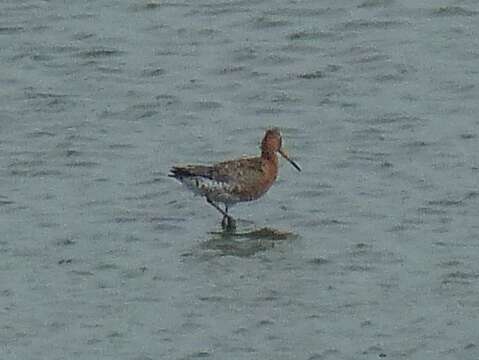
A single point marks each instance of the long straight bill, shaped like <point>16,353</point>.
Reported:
<point>285,155</point>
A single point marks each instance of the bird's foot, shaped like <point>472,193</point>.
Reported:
<point>228,224</point>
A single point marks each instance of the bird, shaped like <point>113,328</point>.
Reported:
<point>239,180</point>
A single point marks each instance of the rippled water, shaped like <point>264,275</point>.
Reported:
<point>371,251</point>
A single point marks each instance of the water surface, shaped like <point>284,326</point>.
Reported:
<point>103,256</point>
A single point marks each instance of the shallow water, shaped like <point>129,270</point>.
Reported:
<point>103,256</point>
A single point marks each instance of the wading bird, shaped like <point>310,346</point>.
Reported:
<point>233,181</point>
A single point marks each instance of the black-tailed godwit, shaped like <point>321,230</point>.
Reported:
<point>233,181</point>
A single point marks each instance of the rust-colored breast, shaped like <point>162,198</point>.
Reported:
<point>255,178</point>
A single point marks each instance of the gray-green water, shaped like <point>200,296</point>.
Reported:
<point>102,256</point>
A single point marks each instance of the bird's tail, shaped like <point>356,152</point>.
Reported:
<point>190,171</point>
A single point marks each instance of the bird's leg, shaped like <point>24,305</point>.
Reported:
<point>228,222</point>
<point>216,207</point>
<point>224,222</point>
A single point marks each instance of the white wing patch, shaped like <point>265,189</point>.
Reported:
<point>219,191</point>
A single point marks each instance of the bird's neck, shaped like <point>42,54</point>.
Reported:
<point>269,168</point>
<point>269,156</point>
